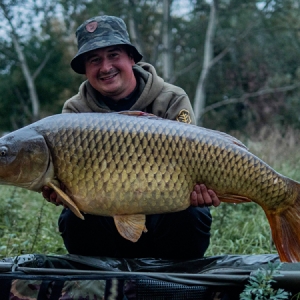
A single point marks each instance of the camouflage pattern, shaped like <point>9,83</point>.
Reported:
<point>29,289</point>
<point>100,32</point>
<point>22,289</point>
<point>25,289</point>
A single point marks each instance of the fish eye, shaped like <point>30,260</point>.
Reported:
<point>3,151</point>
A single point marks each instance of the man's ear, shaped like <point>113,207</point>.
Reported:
<point>129,53</point>
<point>132,61</point>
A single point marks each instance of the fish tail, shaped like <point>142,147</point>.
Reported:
<point>285,226</point>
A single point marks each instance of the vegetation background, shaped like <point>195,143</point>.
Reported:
<point>237,60</point>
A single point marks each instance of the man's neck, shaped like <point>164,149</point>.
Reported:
<point>124,103</point>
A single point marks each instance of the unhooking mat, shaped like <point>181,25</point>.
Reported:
<point>73,277</point>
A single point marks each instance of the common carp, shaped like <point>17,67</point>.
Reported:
<point>130,165</point>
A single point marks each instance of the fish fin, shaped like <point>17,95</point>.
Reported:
<point>66,200</point>
<point>137,113</point>
<point>226,136</point>
<point>285,231</point>
<point>131,227</point>
<point>233,199</point>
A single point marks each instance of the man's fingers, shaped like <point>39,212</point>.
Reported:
<point>201,196</point>
<point>46,192</point>
<point>215,200</point>
<point>205,195</point>
<point>59,201</point>
<point>51,196</point>
<point>194,198</point>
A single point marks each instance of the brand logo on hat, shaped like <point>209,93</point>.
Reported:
<point>91,27</point>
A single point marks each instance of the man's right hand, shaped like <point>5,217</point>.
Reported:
<point>51,196</point>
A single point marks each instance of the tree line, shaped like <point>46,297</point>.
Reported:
<point>237,60</point>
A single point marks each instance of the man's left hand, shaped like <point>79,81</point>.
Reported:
<point>201,196</point>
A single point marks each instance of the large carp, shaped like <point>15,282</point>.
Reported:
<point>128,166</point>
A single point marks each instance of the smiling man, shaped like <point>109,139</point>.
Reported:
<point>109,70</point>
<point>118,81</point>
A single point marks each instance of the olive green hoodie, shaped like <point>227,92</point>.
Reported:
<point>157,97</point>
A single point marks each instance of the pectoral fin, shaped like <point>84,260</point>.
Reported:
<point>233,199</point>
<point>66,200</point>
<point>130,227</point>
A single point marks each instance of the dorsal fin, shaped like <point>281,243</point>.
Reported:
<point>227,137</point>
<point>137,113</point>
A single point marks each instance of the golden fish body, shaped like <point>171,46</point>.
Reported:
<point>129,166</point>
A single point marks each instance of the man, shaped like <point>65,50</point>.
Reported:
<point>116,81</point>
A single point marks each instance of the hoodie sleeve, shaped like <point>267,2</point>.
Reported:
<point>180,109</point>
<point>174,104</point>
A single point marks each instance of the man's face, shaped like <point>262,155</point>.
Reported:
<point>109,70</point>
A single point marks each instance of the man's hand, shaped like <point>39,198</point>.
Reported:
<point>201,196</point>
<point>51,196</point>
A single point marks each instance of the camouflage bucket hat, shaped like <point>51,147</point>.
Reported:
<point>100,32</point>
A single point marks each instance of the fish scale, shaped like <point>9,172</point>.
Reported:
<point>130,164</point>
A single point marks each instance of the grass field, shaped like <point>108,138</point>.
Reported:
<point>28,224</point>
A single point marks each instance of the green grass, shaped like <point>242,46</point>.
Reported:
<point>28,224</point>
<point>239,229</point>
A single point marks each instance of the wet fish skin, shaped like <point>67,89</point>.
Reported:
<point>127,166</point>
